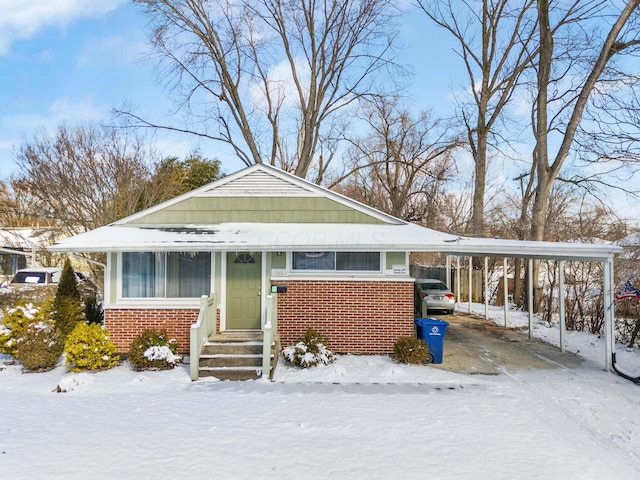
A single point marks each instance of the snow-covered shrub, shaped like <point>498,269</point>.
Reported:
<point>153,349</point>
<point>88,348</point>
<point>39,346</point>
<point>410,350</point>
<point>14,322</point>
<point>309,351</point>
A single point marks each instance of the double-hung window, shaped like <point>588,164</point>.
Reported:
<point>336,261</point>
<point>166,274</point>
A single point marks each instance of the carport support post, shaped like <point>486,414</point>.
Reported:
<point>457,279</point>
<point>470,280</point>
<point>609,344</point>
<point>530,295</point>
<point>448,276</point>
<point>506,293</point>
<point>486,288</point>
<point>561,302</point>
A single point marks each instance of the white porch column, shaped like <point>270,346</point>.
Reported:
<point>530,295</point>
<point>486,288</point>
<point>448,274</point>
<point>609,314</point>
<point>506,292</point>
<point>561,302</point>
<point>470,280</point>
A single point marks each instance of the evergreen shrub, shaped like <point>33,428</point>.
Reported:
<point>410,350</point>
<point>88,348</point>
<point>310,350</point>
<point>153,349</point>
<point>39,346</point>
<point>68,310</point>
<point>93,312</point>
<point>14,322</point>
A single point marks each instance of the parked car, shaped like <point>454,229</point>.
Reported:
<point>48,277</point>
<point>435,294</point>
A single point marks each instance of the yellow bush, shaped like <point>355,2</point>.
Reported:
<point>88,348</point>
<point>15,320</point>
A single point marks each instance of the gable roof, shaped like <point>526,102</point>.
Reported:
<point>264,181</point>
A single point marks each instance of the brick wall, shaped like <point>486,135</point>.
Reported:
<point>357,317</point>
<point>125,324</point>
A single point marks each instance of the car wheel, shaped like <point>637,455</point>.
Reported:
<point>450,312</point>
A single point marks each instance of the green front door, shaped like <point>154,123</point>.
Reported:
<point>244,272</point>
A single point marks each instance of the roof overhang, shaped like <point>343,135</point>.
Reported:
<point>319,236</point>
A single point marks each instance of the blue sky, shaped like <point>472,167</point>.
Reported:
<point>73,61</point>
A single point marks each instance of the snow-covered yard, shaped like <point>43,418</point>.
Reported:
<point>361,417</point>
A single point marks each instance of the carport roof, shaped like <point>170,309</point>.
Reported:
<point>401,236</point>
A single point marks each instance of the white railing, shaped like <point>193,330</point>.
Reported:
<point>269,332</point>
<point>200,332</point>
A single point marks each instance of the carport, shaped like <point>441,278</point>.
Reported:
<point>466,247</point>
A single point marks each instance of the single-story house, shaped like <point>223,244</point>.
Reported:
<point>339,266</point>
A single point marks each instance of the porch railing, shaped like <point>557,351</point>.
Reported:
<point>200,332</point>
<point>269,332</point>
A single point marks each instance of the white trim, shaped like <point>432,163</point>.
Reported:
<point>223,292</point>
<point>264,288</point>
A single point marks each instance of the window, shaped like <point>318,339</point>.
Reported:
<point>170,275</point>
<point>336,261</point>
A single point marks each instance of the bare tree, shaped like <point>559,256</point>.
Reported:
<point>495,44</point>
<point>84,177</point>
<point>558,112</point>
<point>402,165</point>
<point>270,78</point>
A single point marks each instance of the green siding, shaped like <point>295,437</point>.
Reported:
<point>396,258</point>
<point>212,210</point>
<point>278,261</point>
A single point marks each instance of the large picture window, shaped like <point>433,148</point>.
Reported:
<point>166,275</point>
<point>336,261</point>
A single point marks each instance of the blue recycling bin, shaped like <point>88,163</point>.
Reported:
<point>432,331</point>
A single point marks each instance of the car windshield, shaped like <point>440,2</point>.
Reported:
<point>433,286</point>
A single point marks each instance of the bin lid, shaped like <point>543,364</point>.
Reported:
<point>423,322</point>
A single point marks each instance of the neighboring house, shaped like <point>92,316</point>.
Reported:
<point>345,265</point>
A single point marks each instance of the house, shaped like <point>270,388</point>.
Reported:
<point>339,266</point>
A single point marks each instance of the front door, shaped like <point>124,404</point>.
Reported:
<point>244,272</point>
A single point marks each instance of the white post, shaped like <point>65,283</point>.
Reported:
<point>561,302</point>
<point>457,279</point>
<point>470,281</point>
<point>530,295</point>
<point>267,339</point>
<point>609,315</point>
<point>486,288</point>
<point>448,274</point>
<point>506,293</point>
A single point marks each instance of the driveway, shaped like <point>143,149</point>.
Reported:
<point>474,345</point>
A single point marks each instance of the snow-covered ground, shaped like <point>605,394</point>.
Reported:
<point>359,418</point>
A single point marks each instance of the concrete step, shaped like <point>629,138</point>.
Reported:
<point>231,373</point>
<point>232,348</point>
<point>233,360</point>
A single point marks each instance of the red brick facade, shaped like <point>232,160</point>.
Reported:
<point>124,324</point>
<point>357,317</point>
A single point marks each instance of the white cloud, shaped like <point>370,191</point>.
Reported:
<point>21,20</point>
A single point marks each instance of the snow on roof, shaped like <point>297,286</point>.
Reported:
<point>300,237</point>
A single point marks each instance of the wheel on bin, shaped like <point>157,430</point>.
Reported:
<point>428,359</point>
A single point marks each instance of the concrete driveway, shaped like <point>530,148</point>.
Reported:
<point>474,345</point>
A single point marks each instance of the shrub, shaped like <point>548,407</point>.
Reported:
<point>410,350</point>
<point>67,306</point>
<point>88,348</point>
<point>93,312</point>
<point>153,349</point>
<point>14,322</point>
<point>39,346</point>
<point>309,351</point>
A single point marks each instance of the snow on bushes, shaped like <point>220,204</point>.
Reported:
<point>153,349</point>
<point>40,346</point>
<point>14,322</point>
<point>309,351</point>
<point>88,348</point>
